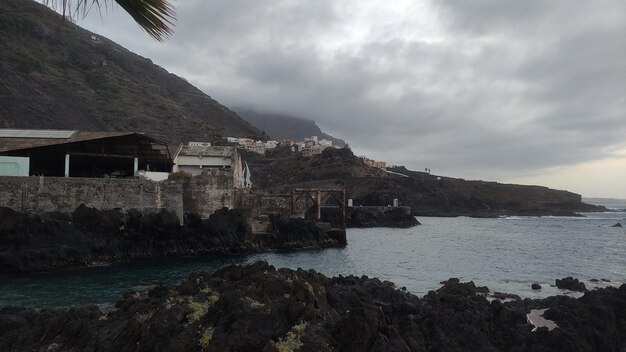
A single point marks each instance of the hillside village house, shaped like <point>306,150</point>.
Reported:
<point>251,145</point>
<point>373,163</point>
<point>311,150</point>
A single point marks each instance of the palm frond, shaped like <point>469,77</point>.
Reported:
<point>153,16</point>
<point>156,17</point>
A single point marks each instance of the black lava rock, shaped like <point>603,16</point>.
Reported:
<point>39,242</point>
<point>569,283</point>
<point>260,308</point>
<point>363,217</point>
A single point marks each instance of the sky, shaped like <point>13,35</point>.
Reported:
<point>530,92</point>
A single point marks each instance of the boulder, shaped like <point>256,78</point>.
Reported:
<point>535,286</point>
<point>455,287</point>
<point>619,224</point>
<point>504,295</point>
<point>569,283</point>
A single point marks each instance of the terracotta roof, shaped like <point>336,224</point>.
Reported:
<point>18,143</point>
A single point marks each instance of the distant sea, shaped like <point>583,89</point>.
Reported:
<point>505,254</point>
<point>610,203</point>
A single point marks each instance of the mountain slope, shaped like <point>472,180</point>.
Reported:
<point>280,126</point>
<point>54,74</point>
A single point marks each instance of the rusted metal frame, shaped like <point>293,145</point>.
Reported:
<point>340,196</point>
<point>337,194</point>
<point>318,204</point>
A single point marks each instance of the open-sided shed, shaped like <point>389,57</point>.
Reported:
<point>86,154</point>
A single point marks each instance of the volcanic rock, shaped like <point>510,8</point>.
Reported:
<point>38,242</point>
<point>504,295</point>
<point>380,217</point>
<point>571,284</point>
<point>260,308</point>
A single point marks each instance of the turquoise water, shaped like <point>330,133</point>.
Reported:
<point>506,254</point>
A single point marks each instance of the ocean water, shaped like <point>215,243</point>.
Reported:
<point>505,254</point>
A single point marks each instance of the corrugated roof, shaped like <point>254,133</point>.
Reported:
<point>14,143</point>
<point>20,133</point>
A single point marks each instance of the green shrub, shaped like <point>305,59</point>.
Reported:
<point>292,342</point>
<point>206,336</point>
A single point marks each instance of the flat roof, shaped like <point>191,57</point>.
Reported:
<point>220,151</point>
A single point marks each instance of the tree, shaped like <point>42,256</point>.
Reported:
<point>153,16</point>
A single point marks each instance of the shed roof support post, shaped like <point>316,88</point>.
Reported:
<point>136,167</point>
<point>67,165</point>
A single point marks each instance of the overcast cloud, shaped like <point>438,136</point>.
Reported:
<point>478,89</point>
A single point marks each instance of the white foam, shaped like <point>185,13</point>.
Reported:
<point>535,317</point>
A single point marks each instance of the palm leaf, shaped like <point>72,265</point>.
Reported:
<point>153,16</point>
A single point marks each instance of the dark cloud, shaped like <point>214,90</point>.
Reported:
<point>482,89</point>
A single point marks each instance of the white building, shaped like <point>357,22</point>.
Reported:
<point>194,159</point>
<point>271,144</point>
<point>325,143</point>
<point>312,139</point>
<point>259,147</point>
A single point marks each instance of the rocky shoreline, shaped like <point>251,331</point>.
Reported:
<point>48,241</point>
<point>260,308</point>
<point>366,217</point>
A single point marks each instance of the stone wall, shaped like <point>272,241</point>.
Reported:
<point>203,194</point>
<point>213,189</point>
<point>39,194</point>
<point>381,209</point>
<point>264,204</point>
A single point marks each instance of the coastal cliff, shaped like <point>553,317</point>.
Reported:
<point>260,308</point>
<point>425,194</point>
<point>47,241</point>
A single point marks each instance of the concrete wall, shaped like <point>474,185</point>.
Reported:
<point>38,194</point>
<point>14,166</point>
<point>381,208</point>
<point>193,170</point>
<point>205,160</point>
<point>154,175</point>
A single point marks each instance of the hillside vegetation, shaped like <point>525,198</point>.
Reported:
<point>54,74</point>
